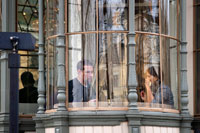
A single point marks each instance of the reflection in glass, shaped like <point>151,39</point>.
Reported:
<point>81,88</point>
<point>112,69</point>
<point>147,16</point>
<point>156,69</point>
<point>51,73</point>
<point>28,59</point>
<point>28,105</point>
<point>27,21</point>
<point>81,15</point>
<point>109,81</point>
<point>82,70</point>
<point>113,14</point>
<point>197,27</point>
<point>197,83</point>
<point>173,18</point>
<point>147,54</point>
<point>27,17</point>
<point>173,71</point>
<point>165,21</point>
<point>28,94</point>
<point>197,1</point>
<point>155,91</point>
<point>52,13</point>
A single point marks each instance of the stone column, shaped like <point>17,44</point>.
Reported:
<point>61,116</point>
<point>133,114</point>
<point>60,48</point>
<point>8,25</point>
<point>186,118</point>
<point>41,83</point>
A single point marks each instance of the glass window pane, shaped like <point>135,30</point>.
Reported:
<point>197,1</point>
<point>82,70</point>
<point>27,21</point>
<point>81,15</point>
<point>169,72</point>
<point>147,16</point>
<point>165,16</point>
<point>112,70</point>
<point>28,59</point>
<point>52,17</point>
<point>27,16</point>
<point>174,69</point>
<point>169,17</point>
<point>156,68</point>
<point>28,94</point>
<point>147,56</point>
<point>172,18</point>
<point>51,74</point>
<point>197,27</point>
<point>113,15</point>
<point>197,83</point>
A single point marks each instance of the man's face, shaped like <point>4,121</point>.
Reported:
<point>87,74</point>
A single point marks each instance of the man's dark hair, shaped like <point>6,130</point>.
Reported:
<point>83,63</point>
<point>27,78</point>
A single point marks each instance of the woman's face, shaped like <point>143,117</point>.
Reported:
<point>149,78</point>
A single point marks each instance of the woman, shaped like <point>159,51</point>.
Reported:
<point>155,92</point>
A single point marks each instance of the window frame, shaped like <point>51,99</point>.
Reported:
<point>195,52</point>
<point>27,54</point>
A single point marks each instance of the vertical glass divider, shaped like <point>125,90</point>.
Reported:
<point>67,52</point>
<point>160,40</point>
<point>178,52</point>
<point>97,55</point>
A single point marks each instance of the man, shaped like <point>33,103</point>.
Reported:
<point>80,89</point>
<point>29,93</point>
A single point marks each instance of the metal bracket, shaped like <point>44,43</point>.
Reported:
<point>15,41</point>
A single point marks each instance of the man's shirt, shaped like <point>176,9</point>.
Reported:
<point>79,93</point>
<point>28,95</point>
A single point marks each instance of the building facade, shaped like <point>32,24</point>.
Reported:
<point>114,66</point>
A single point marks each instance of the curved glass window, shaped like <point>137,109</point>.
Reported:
<point>157,53</point>
<point>157,71</point>
<point>152,16</point>
<point>97,64</point>
<point>96,53</point>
